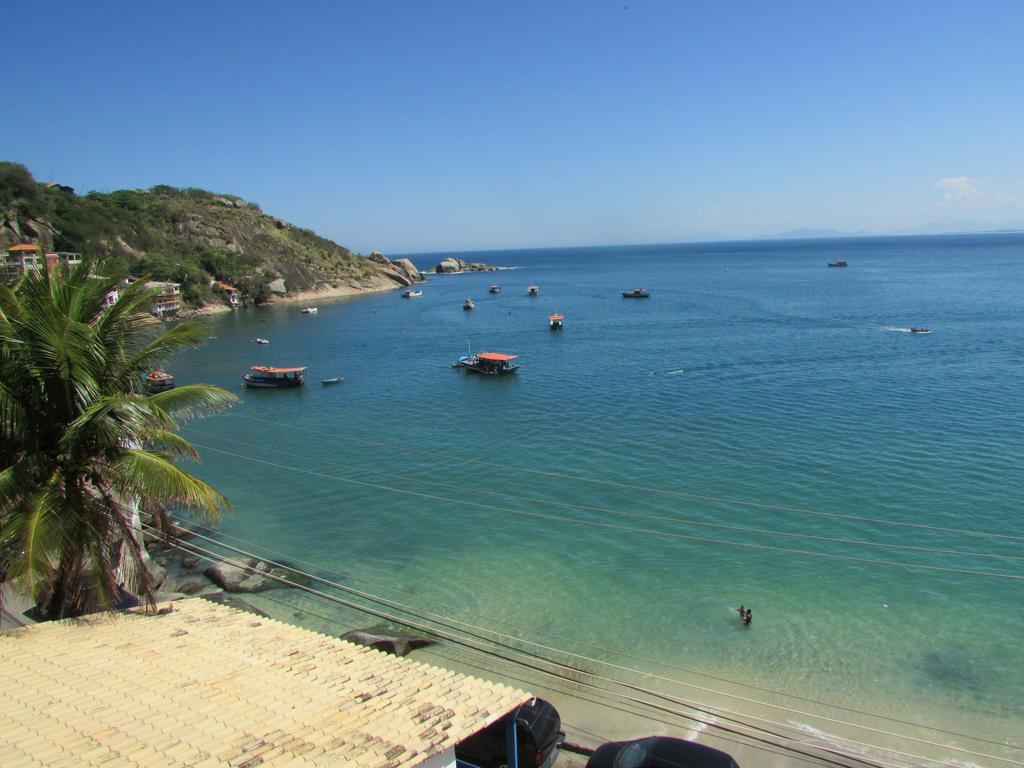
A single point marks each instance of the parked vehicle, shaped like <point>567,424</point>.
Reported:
<point>659,752</point>
<point>538,735</point>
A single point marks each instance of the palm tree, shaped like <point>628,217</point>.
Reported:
<point>82,445</point>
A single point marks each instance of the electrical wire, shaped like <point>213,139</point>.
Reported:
<point>615,526</point>
<point>577,642</point>
<point>628,486</point>
<point>640,515</point>
<point>406,609</point>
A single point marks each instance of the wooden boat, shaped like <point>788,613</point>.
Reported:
<point>495,289</point>
<point>335,380</point>
<point>532,290</point>
<point>922,329</point>
<point>488,363</point>
<point>556,321</point>
<point>158,381</point>
<point>636,293</point>
<point>469,304</point>
<point>258,340</point>
<point>837,263</point>
<point>309,310</point>
<point>268,377</point>
<point>411,294</point>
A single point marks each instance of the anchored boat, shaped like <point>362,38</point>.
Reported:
<point>158,381</point>
<point>411,294</point>
<point>837,263</point>
<point>469,304</point>
<point>556,321</point>
<point>636,293</point>
<point>495,289</point>
<point>309,310</point>
<point>267,377</point>
<point>533,290</point>
<point>488,363</point>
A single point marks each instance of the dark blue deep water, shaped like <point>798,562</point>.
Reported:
<point>762,430</point>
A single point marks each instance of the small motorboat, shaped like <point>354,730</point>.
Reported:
<point>837,263</point>
<point>556,321</point>
<point>636,293</point>
<point>309,310</point>
<point>495,289</point>
<point>335,380</point>
<point>488,363</point>
<point>158,381</point>
<point>916,329</point>
<point>533,290</point>
<point>411,294</point>
<point>269,377</point>
<point>258,340</point>
<point>469,304</point>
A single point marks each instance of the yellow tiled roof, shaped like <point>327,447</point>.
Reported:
<point>207,685</point>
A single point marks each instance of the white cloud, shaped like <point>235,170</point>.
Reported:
<point>959,188</point>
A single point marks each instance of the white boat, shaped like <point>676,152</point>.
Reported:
<point>258,340</point>
<point>411,294</point>
<point>309,310</point>
<point>468,304</point>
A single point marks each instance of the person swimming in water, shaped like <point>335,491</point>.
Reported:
<point>741,612</point>
<point>748,617</point>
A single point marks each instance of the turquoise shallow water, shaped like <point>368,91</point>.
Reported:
<point>659,462</point>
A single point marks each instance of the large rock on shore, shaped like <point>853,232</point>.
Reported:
<point>451,264</point>
<point>397,643</point>
<point>257,576</point>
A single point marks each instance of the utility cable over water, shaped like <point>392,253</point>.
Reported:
<point>614,526</point>
<point>631,487</point>
<point>250,548</point>
<point>451,633</point>
<point>363,471</point>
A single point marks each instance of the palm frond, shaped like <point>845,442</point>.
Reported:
<point>193,401</point>
<point>156,478</point>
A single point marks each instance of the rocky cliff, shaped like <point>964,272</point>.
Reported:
<point>189,236</point>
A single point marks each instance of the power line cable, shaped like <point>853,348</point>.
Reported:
<point>630,487</point>
<point>584,643</point>
<point>662,518</point>
<point>615,526</point>
<point>444,621</point>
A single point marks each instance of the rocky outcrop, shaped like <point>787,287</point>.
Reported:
<point>396,643</point>
<point>257,576</point>
<point>452,265</point>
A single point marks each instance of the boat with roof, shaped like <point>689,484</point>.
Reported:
<point>158,381</point>
<point>269,377</point>
<point>636,293</point>
<point>411,294</point>
<point>309,310</point>
<point>555,321</point>
<point>488,363</point>
<point>837,263</point>
<point>495,289</point>
<point>469,304</point>
<point>533,290</point>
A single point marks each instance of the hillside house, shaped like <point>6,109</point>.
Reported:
<point>20,259</point>
<point>229,291</point>
<point>167,301</point>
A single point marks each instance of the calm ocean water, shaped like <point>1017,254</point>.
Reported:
<point>763,430</point>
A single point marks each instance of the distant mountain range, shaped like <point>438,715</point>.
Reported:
<point>961,226</point>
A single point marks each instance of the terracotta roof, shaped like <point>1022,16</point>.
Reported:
<point>497,357</point>
<point>207,685</point>
<point>23,247</point>
<point>272,369</point>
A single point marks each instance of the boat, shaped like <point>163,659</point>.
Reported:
<point>469,304</point>
<point>335,380</point>
<point>258,340</point>
<point>411,294</point>
<point>837,263</point>
<point>158,381</point>
<point>268,377</point>
<point>488,363</point>
<point>636,293</point>
<point>556,322</point>
<point>916,329</point>
<point>495,289</point>
<point>532,290</point>
<point>309,310</point>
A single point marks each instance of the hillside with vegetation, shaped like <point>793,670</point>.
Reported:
<point>190,236</point>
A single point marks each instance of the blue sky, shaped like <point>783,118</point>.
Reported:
<point>424,126</point>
